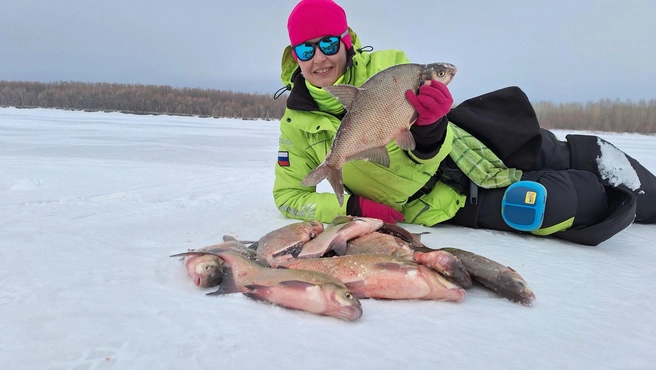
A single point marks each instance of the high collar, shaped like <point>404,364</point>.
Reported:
<point>300,97</point>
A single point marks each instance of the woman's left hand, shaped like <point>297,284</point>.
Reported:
<point>432,103</point>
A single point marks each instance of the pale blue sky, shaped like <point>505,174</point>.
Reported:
<point>554,50</point>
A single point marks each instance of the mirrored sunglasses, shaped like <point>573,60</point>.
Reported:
<point>328,45</point>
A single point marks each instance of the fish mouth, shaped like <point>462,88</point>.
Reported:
<point>349,313</point>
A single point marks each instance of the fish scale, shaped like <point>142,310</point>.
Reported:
<point>377,113</point>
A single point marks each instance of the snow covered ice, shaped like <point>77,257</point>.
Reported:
<point>92,205</point>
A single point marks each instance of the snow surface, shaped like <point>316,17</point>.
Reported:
<point>92,205</point>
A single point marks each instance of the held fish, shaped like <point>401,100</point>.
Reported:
<point>297,289</point>
<point>383,276</point>
<point>377,113</point>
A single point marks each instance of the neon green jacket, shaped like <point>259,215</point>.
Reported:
<point>306,138</point>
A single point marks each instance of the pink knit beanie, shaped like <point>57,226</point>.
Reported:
<point>316,18</point>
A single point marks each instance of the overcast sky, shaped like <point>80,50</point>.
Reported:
<point>574,50</point>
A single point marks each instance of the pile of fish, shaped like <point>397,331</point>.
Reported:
<point>327,270</point>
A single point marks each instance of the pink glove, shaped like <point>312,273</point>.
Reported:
<point>369,208</point>
<point>432,103</point>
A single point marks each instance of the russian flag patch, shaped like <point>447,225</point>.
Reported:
<point>283,159</point>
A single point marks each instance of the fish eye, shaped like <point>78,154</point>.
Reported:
<point>441,73</point>
<point>348,295</point>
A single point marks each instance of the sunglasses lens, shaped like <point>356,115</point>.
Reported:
<point>305,51</point>
<point>329,45</point>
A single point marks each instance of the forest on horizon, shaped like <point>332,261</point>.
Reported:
<point>604,115</point>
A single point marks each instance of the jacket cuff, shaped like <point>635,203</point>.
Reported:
<point>429,138</point>
<point>353,206</point>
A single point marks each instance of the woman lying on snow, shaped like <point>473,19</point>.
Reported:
<point>594,189</point>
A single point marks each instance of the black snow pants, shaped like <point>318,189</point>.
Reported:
<point>584,179</point>
<point>576,188</point>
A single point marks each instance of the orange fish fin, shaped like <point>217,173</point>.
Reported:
<point>405,140</point>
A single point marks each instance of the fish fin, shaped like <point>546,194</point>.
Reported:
<point>413,119</point>
<point>292,250</point>
<point>338,245</point>
<point>377,155</point>
<point>258,292</point>
<point>405,140</point>
<point>316,175</point>
<point>296,249</point>
<point>388,266</point>
<point>296,284</point>
<point>356,287</point>
<point>224,289</point>
<point>228,284</point>
<point>334,176</point>
<point>335,180</point>
<point>341,219</point>
<point>195,253</point>
<point>345,94</point>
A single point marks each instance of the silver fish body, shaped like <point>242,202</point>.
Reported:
<point>502,279</point>
<point>377,113</point>
<point>383,276</point>
<point>443,262</point>
<point>286,242</point>
<point>336,237</point>
<point>379,243</point>
<point>297,289</point>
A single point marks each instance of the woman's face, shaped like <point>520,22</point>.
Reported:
<point>323,70</point>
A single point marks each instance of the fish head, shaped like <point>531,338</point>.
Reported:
<point>345,305</point>
<point>442,72</point>
<point>518,289</point>
<point>207,271</point>
<point>316,227</point>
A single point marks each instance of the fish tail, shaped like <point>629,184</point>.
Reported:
<point>335,180</point>
<point>334,176</point>
<point>316,175</point>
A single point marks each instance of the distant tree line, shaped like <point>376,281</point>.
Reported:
<point>141,99</point>
<point>602,115</point>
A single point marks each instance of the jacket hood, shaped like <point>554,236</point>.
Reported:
<point>289,64</point>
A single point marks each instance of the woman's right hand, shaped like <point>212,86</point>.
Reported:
<point>368,208</point>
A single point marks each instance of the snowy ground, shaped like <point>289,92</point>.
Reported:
<point>92,205</point>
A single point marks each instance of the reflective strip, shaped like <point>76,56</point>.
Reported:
<point>555,228</point>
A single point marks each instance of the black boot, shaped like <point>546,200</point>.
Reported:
<point>617,169</point>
